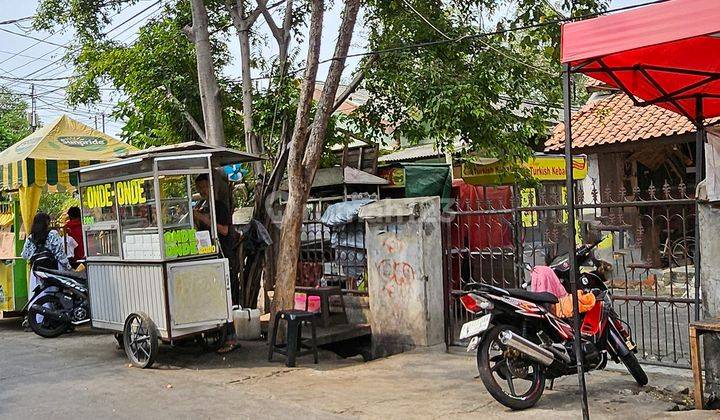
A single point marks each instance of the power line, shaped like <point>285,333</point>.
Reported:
<point>497,50</point>
<point>14,21</point>
<point>55,63</point>
<point>47,79</point>
<point>17,54</point>
<point>45,41</point>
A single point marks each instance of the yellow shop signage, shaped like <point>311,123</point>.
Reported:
<point>103,195</point>
<point>542,168</point>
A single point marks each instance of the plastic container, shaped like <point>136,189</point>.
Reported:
<point>247,323</point>
<point>313,302</point>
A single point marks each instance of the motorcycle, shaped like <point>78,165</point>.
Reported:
<point>59,302</point>
<point>520,341</point>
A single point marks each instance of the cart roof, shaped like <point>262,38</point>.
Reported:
<point>663,54</point>
<point>221,156</point>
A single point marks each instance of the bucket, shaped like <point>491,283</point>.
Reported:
<point>247,323</point>
<point>313,302</point>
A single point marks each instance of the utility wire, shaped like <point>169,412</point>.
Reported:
<point>486,44</point>
<point>56,62</point>
<point>15,21</point>
<point>45,41</point>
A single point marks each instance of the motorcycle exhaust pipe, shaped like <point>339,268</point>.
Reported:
<point>526,347</point>
<point>41,310</point>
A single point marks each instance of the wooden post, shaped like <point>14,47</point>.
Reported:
<point>696,367</point>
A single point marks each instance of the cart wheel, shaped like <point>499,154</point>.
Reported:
<point>213,340</point>
<point>140,339</point>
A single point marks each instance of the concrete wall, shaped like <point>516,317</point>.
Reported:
<point>405,281</point>
<point>710,287</point>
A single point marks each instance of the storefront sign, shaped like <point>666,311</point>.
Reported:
<point>103,195</point>
<point>184,242</point>
<point>542,168</point>
<point>394,175</point>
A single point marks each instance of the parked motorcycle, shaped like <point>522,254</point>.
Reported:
<point>59,302</point>
<point>520,342</point>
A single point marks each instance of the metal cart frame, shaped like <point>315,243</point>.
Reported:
<point>156,297</point>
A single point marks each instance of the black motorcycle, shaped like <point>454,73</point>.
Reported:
<point>59,302</point>
<point>520,342</point>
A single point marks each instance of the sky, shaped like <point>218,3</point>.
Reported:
<point>22,57</point>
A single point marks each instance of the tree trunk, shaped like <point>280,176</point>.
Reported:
<point>209,89</point>
<point>286,264</point>
<point>242,23</point>
<point>305,152</point>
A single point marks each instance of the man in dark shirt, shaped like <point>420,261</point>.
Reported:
<point>227,235</point>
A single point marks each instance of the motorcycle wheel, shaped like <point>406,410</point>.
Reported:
<point>637,372</point>
<point>507,368</point>
<point>47,327</point>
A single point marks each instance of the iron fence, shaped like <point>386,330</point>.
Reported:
<point>648,249</point>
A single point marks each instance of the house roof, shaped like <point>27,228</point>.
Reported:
<point>423,151</point>
<point>614,119</point>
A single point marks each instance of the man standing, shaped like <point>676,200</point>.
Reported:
<point>227,235</point>
<point>73,228</point>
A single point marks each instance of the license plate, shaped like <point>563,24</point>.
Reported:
<point>475,327</point>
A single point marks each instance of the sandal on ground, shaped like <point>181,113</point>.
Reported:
<point>228,347</point>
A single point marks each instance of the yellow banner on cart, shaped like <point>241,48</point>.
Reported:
<point>542,168</point>
<point>103,195</point>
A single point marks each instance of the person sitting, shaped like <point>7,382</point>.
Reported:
<point>46,241</point>
<point>43,248</point>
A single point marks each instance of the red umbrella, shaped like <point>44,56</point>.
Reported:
<point>665,54</point>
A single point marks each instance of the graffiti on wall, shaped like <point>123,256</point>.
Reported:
<point>394,270</point>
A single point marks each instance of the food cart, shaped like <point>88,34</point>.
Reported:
<point>152,275</point>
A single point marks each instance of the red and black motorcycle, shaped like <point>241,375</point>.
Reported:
<point>521,343</point>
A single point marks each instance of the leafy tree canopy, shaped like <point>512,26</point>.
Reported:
<point>14,123</point>
<point>493,93</point>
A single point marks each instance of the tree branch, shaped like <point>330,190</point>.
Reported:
<point>354,83</point>
<point>313,148</point>
<point>193,122</point>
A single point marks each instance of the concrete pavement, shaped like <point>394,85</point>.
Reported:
<point>82,375</point>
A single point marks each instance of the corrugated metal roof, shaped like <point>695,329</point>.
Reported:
<point>422,151</point>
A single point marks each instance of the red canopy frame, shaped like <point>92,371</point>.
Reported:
<point>665,54</point>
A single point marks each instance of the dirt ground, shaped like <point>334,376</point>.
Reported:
<point>83,375</point>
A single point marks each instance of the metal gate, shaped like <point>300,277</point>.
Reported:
<point>650,246</point>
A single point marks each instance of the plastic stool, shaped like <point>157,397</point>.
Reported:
<point>294,319</point>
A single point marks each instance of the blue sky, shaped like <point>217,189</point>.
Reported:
<point>39,59</point>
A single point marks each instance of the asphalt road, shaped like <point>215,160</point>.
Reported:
<point>83,375</point>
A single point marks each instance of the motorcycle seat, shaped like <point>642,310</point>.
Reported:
<point>80,276</point>
<point>541,297</point>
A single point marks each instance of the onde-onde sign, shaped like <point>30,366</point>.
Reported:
<point>103,195</point>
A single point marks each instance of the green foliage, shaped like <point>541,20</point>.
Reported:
<point>157,74</point>
<point>474,91</point>
<point>14,123</point>
<point>57,204</point>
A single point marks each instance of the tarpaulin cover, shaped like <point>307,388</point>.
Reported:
<point>664,54</point>
<point>427,180</point>
<point>482,231</point>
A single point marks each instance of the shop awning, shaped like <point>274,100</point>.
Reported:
<point>42,158</point>
<point>663,54</point>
